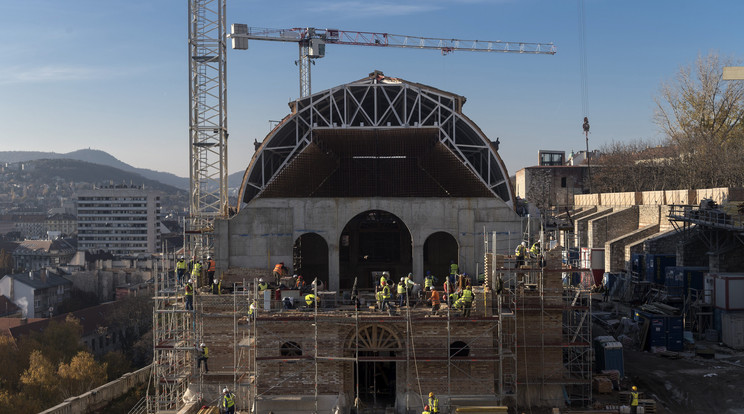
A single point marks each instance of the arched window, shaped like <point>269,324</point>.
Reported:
<point>459,349</point>
<point>291,349</point>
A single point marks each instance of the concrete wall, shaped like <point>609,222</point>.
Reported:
<point>264,232</point>
<point>610,226</point>
<point>103,283</point>
<point>100,397</point>
<point>581,226</point>
<point>617,251</point>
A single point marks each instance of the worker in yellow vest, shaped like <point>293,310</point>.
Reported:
<point>433,403</point>
<point>227,402</point>
<point>180,270</point>
<point>634,399</point>
<point>426,410</point>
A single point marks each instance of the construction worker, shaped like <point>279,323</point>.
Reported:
<point>300,284</point>
<point>433,403</point>
<point>467,297</point>
<point>435,301</point>
<point>252,310</point>
<point>310,300</point>
<point>453,270</point>
<point>428,280</point>
<point>520,252</point>
<point>196,272</point>
<point>448,289</point>
<point>383,278</point>
<point>210,268</point>
<point>216,286</point>
<point>401,292</point>
<point>262,285</point>
<point>279,271</point>
<point>535,249</point>
<point>203,355</point>
<point>384,298</point>
<point>426,410</point>
<point>180,269</point>
<point>189,295</point>
<point>409,284</point>
<point>634,399</point>
<point>227,402</point>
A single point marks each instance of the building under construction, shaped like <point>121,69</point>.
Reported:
<point>378,175</point>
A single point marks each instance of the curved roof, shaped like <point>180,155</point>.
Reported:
<point>377,137</point>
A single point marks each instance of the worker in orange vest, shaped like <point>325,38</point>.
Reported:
<point>279,271</point>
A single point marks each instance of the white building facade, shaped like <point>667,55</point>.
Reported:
<point>120,220</point>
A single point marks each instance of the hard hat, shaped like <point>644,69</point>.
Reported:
<point>635,388</point>
<point>431,287</point>
<point>431,394</point>
<point>260,279</point>
<point>426,408</point>
<point>224,390</point>
<point>428,272</point>
<point>294,275</point>
<point>524,243</point>
<point>180,258</point>
<point>202,344</point>
<point>410,275</point>
<point>299,277</point>
<point>215,281</point>
<point>209,257</point>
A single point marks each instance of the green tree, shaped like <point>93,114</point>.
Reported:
<point>117,364</point>
<point>11,364</point>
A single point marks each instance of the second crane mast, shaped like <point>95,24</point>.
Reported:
<point>312,44</point>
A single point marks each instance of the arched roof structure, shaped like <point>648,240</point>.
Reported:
<point>377,137</point>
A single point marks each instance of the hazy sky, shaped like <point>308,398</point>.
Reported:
<point>113,75</point>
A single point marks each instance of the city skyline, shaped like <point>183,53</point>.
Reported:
<point>114,76</point>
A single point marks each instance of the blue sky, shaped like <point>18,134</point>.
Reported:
<point>113,75</point>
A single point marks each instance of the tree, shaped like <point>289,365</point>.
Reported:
<point>117,364</point>
<point>702,116</point>
<point>82,374</point>
<point>39,380</point>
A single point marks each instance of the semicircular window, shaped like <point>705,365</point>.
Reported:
<point>291,349</point>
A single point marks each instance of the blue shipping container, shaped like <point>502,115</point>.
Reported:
<point>663,330</point>
<point>613,357</point>
<point>680,279</point>
<point>656,265</point>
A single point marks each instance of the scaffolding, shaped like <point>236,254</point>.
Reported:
<point>174,339</point>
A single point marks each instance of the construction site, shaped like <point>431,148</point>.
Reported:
<point>385,177</point>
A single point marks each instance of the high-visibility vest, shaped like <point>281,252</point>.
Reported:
<point>467,295</point>
<point>228,400</point>
<point>434,404</point>
<point>453,269</point>
<point>205,352</point>
<point>309,299</point>
<point>210,266</point>
<point>279,268</point>
<point>196,271</point>
<point>300,284</point>
<point>520,250</point>
<point>181,265</point>
<point>189,289</point>
<point>386,292</point>
<point>535,249</point>
<point>263,286</point>
<point>383,280</point>
<point>401,288</point>
<point>634,398</point>
<point>428,281</point>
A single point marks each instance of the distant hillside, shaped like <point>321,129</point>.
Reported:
<point>49,171</point>
<point>97,157</point>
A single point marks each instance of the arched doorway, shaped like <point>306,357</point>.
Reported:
<point>311,257</point>
<point>439,249</point>
<point>373,242</point>
<point>375,347</point>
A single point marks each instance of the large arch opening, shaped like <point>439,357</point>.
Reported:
<point>372,242</point>
<point>375,347</point>
<point>310,254</point>
<point>440,249</point>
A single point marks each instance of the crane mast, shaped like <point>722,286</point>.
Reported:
<point>312,44</point>
<point>207,121</point>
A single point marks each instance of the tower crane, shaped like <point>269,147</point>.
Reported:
<point>312,43</point>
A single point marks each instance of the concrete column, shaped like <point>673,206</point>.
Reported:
<point>714,263</point>
<point>333,270</point>
<point>418,261</point>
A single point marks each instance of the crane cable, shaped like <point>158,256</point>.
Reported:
<point>582,60</point>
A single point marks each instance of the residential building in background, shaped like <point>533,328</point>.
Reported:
<point>118,219</point>
<point>37,294</point>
